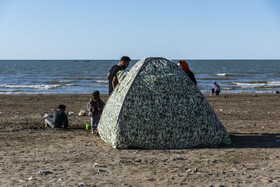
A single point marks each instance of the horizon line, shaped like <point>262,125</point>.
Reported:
<point>86,59</point>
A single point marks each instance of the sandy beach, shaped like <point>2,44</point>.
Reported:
<point>31,155</point>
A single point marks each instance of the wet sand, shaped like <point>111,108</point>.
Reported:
<point>31,155</point>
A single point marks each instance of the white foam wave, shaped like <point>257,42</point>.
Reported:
<point>221,74</point>
<point>101,81</point>
<point>43,87</point>
<point>274,82</point>
<point>225,88</point>
<point>256,85</point>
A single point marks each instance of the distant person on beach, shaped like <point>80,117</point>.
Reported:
<point>95,107</point>
<point>60,119</point>
<point>111,77</point>
<point>215,89</point>
<point>185,67</point>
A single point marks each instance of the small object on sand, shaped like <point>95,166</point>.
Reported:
<point>59,179</point>
<point>30,178</point>
<point>191,170</point>
<point>96,164</point>
<point>1,127</point>
<point>255,95</point>
<point>226,97</point>
<point>81,184</point>
<point>82,113</point>
<point>48,115</point>
<point>177,157</point>
<point>88,127</point>
<point>276,92</point>
<point>101,170</point>
<point>208,160</point>
<point>44,172</point>
<point>71,113</point>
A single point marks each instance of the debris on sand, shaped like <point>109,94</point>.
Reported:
<point>82,113</point>
<point>208,160</point>
<point>101,170</point>
<point>96,164</point>
<point>81,184</point>
<point>71,113</point>
<point>44,172</point>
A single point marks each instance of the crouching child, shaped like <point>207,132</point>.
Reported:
<point>95,107</point>
<point>59,120</point>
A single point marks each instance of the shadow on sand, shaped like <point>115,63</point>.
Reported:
<point>254,140</point>
<point>239,141</point>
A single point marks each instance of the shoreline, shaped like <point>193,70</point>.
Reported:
<point>104,93</point>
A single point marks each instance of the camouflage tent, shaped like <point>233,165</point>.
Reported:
<point>157,106</point>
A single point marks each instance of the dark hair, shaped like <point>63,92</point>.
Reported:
<point>125,59</point>
<point>215,82</point>
<point>95,95</point>
<point>61,107</point>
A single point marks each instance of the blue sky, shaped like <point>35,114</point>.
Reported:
<point>109,29</point>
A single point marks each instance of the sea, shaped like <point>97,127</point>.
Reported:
<point>20,77</point>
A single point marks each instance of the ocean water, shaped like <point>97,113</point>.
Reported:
<point>85,76</point>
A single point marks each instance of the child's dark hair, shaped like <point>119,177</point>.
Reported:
<point>61,107</point>
<point>95,95</point>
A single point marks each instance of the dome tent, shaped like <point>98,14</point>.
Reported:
<point>157,106</point>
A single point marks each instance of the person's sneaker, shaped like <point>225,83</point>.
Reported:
<point>94,132</point>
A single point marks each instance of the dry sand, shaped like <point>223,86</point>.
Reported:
<point>74,156</point>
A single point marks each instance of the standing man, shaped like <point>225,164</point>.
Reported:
<point>111,77</point>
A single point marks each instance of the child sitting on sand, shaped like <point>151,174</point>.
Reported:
<point>60,119</point>
<point>95,107</point>
<point>215,89</point>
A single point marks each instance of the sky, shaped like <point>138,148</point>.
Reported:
<point>109,29</point>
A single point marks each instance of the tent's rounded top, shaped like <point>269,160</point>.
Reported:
<point>153,58</point>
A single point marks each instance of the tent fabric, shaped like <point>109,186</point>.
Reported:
<point>157,106</point>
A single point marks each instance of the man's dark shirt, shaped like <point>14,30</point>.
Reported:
<point>113,71</point>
